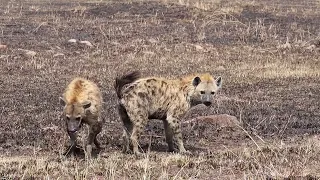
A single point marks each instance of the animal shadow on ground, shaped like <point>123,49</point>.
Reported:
<point>79,152</point>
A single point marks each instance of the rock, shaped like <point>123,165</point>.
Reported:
<point>86,43</point>
<point>4,56</point>
<point>72,40</point>
<point>58,55</point>
<point>221,120</point>
<point>2,46</point>
<point>198,47</point>
<point>153,41</point>
<point>28,53</point>
<point>221,68</point>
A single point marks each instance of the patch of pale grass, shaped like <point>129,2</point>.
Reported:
<point>278,69</point>
<point>283,71</point>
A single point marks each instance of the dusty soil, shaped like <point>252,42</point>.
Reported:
<point>266,52</point>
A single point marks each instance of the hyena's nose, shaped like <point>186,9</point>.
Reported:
<point>207,103</point>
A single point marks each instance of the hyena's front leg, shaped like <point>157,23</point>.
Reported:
<point>175,127</point>
<point>93,132</point>
<point>169,135</point>
<point>98,130</point>
<point>73,144</point>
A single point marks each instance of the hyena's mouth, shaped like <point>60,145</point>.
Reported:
<point>195,102</point>
<point>73,130</point>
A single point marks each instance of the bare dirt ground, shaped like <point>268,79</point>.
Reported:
<point>266,51</point>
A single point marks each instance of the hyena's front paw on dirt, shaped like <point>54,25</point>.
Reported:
<point>126,150</point>
<point>185,152</point>
<point>138,154</point>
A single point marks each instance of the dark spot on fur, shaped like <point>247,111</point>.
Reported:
<point>139,106</point>
<point>151,80</point>
<point>129,95</point>
<point>163,83</point>
<point>153,92</point>
<point>142,95</point>
<point>174,121</point>
<point>158,115</point>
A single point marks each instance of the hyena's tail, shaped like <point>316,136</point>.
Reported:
<point>125,79</point>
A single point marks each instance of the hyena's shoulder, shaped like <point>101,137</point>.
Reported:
<point>80,90</point>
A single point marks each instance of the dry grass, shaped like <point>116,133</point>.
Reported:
<point>267,160</point>
<point>266,52</point>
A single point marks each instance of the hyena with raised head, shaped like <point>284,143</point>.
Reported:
<point>159,98</point>
<point>82,101</point>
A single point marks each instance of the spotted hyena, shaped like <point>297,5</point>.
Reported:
<point>159,98</point>
<point>82,102</point>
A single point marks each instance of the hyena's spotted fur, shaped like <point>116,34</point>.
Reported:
<point>159,98</point>
<point>82,101</point>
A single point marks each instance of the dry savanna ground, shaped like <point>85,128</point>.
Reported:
<point>266,51</point>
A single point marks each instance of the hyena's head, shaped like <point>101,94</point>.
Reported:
<point>74,113</point>
<point>205,88</point>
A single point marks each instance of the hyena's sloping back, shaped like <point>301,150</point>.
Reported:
<point>124,80</point>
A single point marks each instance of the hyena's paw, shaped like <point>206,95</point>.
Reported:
<point>138,154</point>
<point>126,151</point>
<point>185,152</point>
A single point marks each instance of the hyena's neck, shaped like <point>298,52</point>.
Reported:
<point>187,89</point>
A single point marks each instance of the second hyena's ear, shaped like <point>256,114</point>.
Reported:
<point>62,101</point>
<point>86,104</point>
<point>196,81</point>
<point>219,82</point>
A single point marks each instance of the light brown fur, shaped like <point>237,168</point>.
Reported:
<point>165,99</point>
<point>82,101</point>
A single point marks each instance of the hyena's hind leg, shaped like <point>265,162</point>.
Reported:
<point>139,122</point>
<point>127,129</point>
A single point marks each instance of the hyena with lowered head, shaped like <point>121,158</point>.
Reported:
<point>159,98</point>
<point>82,101</point>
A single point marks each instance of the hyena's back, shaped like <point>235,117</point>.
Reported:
<point>155,96</point>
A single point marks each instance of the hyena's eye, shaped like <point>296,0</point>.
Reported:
<point>202,92</point>
<point>212,93</point>
<point>67,118</point>
<point>78,118</point>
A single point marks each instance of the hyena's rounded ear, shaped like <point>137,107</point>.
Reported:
<point>196,81</point>
<point>86,104</point>
<point>219,82</point>
<point>62,101</point>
